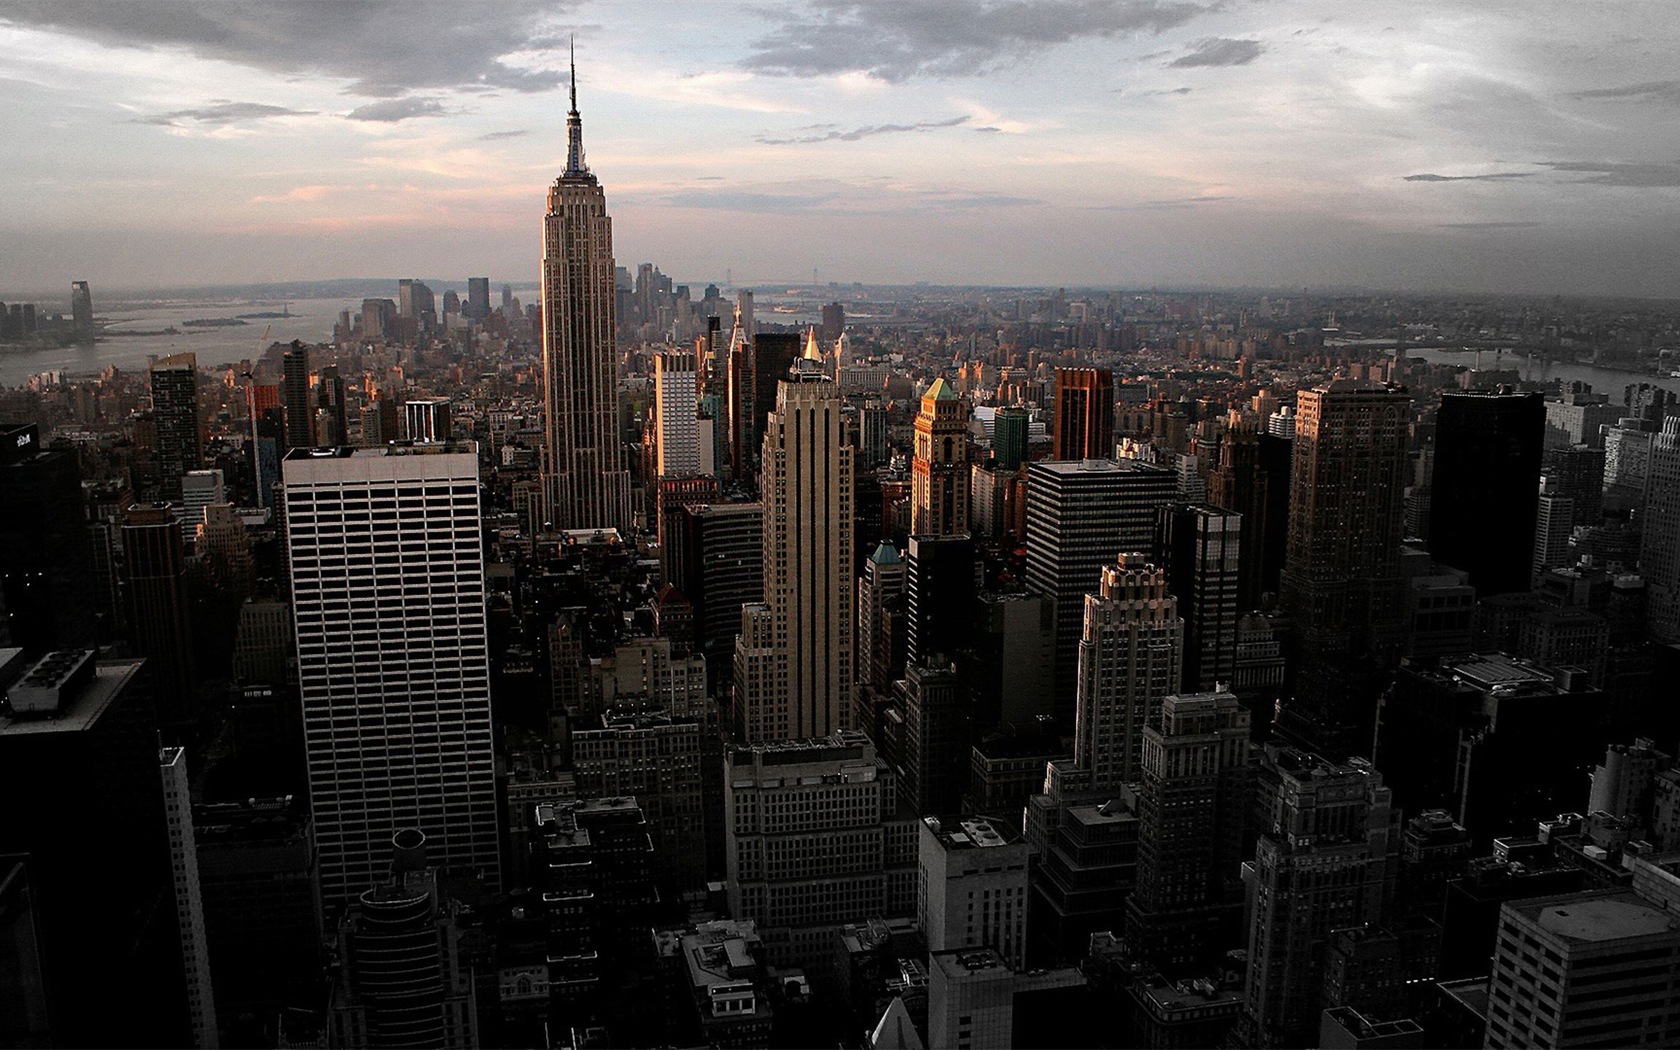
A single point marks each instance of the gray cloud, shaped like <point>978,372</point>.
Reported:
<point>1615,173</point>
<point>371,43</point>
<point>965,201</point>
<point>1665,91</point>
<point>392,110</point>
<point>1485,225</point>
<point>222,113</point>
<point>494,136</point>
<point>896,40</point>
<point>855,134</point>
<point>1219,51</point>
<point>1497,176</point>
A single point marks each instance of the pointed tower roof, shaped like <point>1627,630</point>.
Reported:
<point>813,352</point>
<point>895,1030</point>
<point>940,391</point>
<point>575,167</point>
<point>885,554</point>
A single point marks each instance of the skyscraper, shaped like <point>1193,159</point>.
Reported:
<point>81,311</point>
<point>1202,547</point>
<point>1341,575</point>
<point>1130,659</point>
<point>675,414</point>
<point>478,288</point>
<point>396,697</point>
<point>1659,546</point>
<point>1324,863</point>
<point>428,419</point>
<point>157,595</point>
<point>1009,437</point>
<point>793,661</point>
<point>1191,815</point>
<point>189,899</point>
<point>716,559</point>
<point>1487,469</point>
<point>294,397</point>
<point>1079,514</point>
<point>939,472</point>
<point>47,590</point>
<point>586,485</point>
<point>175,412</point>
<point>1084,413</point>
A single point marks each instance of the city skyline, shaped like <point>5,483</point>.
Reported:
<point>1498,149</point>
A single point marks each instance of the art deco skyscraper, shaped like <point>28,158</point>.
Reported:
<point>1130,659</point>
<point>794,658</point>
<point>939,473</point>
<point>585,483</point>
<point>388,600</point>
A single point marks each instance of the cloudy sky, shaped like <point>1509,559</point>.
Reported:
<point>1527,147</point>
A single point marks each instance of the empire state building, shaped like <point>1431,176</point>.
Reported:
<point>585,484</point>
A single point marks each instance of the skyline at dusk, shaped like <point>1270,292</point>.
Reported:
<point>1500,148</point>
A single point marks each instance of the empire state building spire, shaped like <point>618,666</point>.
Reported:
<point>575,167</point>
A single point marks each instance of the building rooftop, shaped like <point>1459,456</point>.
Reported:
<point>1613,917</point>
<point>970,963</point>
<point>395,448</point>
<point>79,709</point>
<point>971,833</point>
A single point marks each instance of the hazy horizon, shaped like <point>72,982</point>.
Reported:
<point>1427,148</point>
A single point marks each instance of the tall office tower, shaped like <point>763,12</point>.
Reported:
<point>379,422</point>
<point>1554,522</point>
<point>1131,657</point>
<point>1600,968</point>
<point>428,419</point>
<point>78,739</point>
<point>189,898</point>
<point>793,662</point>
<point>175,412</point>
<point>717,562</point>
<point>396,701</point>
<point>940,586</point>
<point>969,862</point>
<point>873,429</point>
<point>1203,553</point>
<point>1627,456</point>
<point>1009,437</point>
<point>1487,469</point>
<point>403,981</point>
<point>676,414</point>
<point>268,431</point>
<point>937,733</point>
<point>1084,413</point>
<point>1659,539</point>
<point>1197,780</point>
<point>1577,473</point>
<point>477,306</point>
<point>81,310</point>
<point>1251,478</point>
<point>199,489</point>
<point>815,840</point>
<point>1078,514</point>
<point>833,321</point>
<point>1341,576</point>
<point>939,471</point>
<point>882,625</point>
<point>158,612</point>
<point>294,397</point>
<point>332,421</point>
<point>586,485</point>
<point>47,589</point>
<point>655,757</point>
<point>754,380</point>
<point>1578,416</point>
<point>1324,863</point>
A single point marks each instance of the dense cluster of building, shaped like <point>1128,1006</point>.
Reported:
<point>627,669</point>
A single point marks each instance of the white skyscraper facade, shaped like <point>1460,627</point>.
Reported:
<point>387,572</point>
<point>675,413</point>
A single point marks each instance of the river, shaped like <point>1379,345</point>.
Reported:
<point>1604,380</point>
<point>310,320</point>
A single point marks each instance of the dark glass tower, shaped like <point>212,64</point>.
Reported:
<point>1488,449</point>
